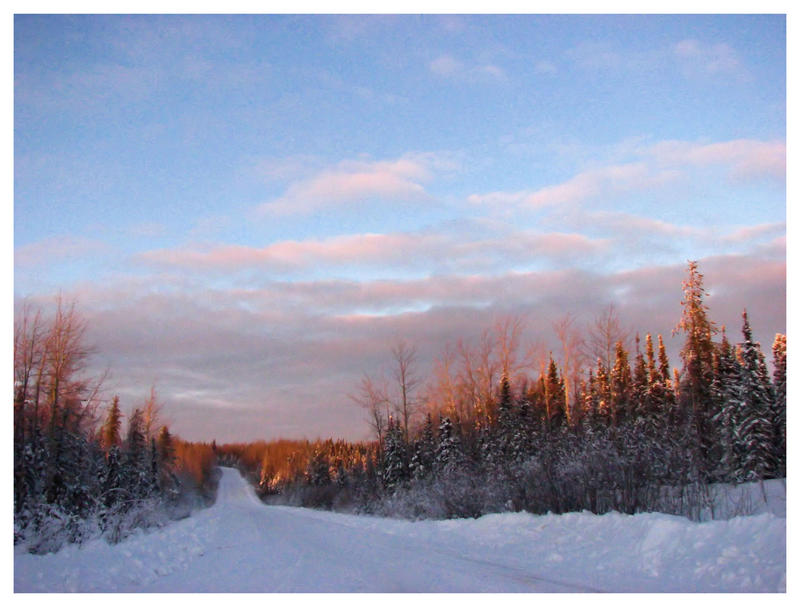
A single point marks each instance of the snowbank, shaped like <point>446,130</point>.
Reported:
<point>241,545</point>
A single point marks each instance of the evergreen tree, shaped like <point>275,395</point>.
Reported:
<point>448,450</point>
<point>698,371</point>
<point>725,392</point>
<point>755,427</point>
<point>134,466</point>
<point>110,432</point>
<point>603,404</point>
<point>554,396</point>
<point>641,406</point>
<point>779,403</point>
<point>424,451</point>
<point>506,425</point>
<point>318,471</point>
<point>395,457</point>
<point>621,385</point>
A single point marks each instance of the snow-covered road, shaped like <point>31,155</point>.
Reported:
<point>241,545</point>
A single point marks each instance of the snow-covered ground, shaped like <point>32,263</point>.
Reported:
<point>241,545</point>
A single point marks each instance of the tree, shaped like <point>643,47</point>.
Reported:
<point>698,366</point>
<point>571,346</point>
<point>395,458</point>
<point>165,450</point>
<point>779,402</point>
<point>554,396</point>
<point>424,451</point>
<point>405,375</point>
<point>621,386</point>
<point>755,428</point>
<point>726,394</point>
<point>135,469</point>
<point>603,335</point>
<point>110,432</point>
<point>448,449</point>
<point>151,410</point>
<point>371,396</point>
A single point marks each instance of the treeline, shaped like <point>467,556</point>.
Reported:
<point>627,433</point>
<point>302,472</point>
<point>79,471</point>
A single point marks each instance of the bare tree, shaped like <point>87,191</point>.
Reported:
<point>443,391</point>
<point>28,356</point>
<point>468,384</point>
<point>371,396</point>
<point>407,380</point>
<point>603,334</point>
<point>572,363</point>
<point>151,412</point>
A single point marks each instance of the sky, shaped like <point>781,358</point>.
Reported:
<point>250,210</point>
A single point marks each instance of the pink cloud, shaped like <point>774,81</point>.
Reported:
<point>743,157</point>
<point>57,249</point>
<point>354,181</point>
<point>423,250</point>
<point>583,186</point>
<point>280,358</point>
<point>751,233</point>
<point>657,165</point>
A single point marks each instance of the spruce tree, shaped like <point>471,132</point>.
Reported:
<point>448,449</point>
<point>779,403</point>
<point>726,392</point>
<point>698,372</point>
<point>395,457</point>
<point>424,451</point>
<point>621,386</point>
<point>110,433</point>
<point>755,428</point>
<point>134,468</point>
<point>555,401</point>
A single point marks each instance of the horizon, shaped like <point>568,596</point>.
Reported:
<point>250,210</point>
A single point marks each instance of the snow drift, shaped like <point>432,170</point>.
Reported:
<point>240,545</point>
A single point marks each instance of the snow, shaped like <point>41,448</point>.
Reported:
<point>241,545</point>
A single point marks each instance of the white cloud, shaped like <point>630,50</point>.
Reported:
<point>702,59</point>
<point>447,66</point>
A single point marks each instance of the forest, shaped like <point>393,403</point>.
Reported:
<point>78,473</point>
<point>628,433</point>
<point>486,433</point>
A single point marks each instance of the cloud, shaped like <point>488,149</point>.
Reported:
<point>743,158</point>
<point>55,250</point>
<point>92,87</point>
<point>437,251</point>
<point>356,181</point>
<point>653,166</point>
<point>448,67</point>
<point>595,56</point>
<point>545,67</point>
<point>750,234</point>
<point>701,59</point>
<point>280,358</point>
<point>583,186</point>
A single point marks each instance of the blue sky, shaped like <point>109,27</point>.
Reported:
<point>263,199</point>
